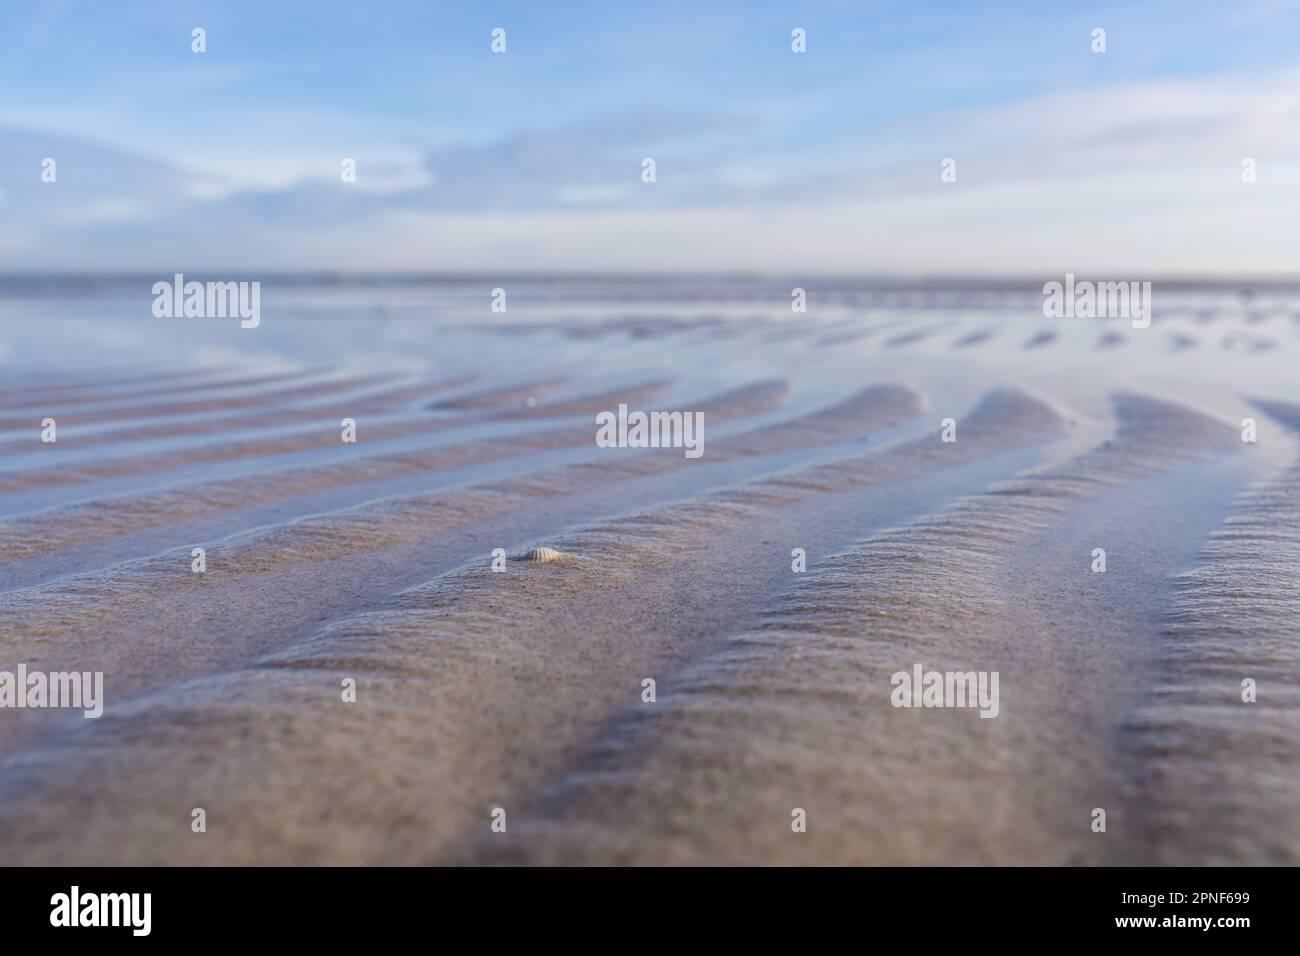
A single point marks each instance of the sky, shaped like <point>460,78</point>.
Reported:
<point>766,160</point>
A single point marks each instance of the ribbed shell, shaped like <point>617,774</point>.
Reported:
<point>543,554</point>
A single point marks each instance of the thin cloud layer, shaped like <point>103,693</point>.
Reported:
<point>826,179</point>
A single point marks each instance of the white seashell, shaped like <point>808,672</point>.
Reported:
<point>543,554</point>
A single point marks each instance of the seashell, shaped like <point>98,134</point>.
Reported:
<point>543,554</point>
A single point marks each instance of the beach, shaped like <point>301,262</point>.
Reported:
<point>373,663</point>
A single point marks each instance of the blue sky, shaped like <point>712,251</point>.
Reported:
<point>767,160</point>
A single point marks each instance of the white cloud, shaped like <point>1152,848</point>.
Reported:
<point>1143,176</point>
<point>101,211</point>
<point>595,194</point>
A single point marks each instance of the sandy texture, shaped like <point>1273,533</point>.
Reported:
<point>524,688</point>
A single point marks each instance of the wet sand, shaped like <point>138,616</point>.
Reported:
<point>524,689</point>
